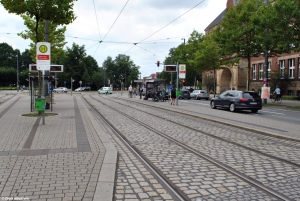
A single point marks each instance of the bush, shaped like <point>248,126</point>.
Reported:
<point>290,97</point>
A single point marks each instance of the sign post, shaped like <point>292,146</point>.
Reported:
<point>43,50</point>
<point>43,57</point>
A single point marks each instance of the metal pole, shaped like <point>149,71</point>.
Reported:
<point>43,96</point>
<point>71,85</point>
<point>31,95</point>
<point>266,64</point>
<point>177,82</point>
<point>17,72</point>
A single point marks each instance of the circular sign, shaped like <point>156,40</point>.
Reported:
<point>43,48</point>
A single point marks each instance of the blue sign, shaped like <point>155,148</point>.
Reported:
<point>170,87</point>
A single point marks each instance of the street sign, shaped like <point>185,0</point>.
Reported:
<point>43,58</point>
<point>182,71</point>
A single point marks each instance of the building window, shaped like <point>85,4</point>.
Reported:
<point>291,68</point>
<point>290,92</point>
<point>254,71</point>
<point>282,68</point>
<point>261,71</point>
<point>269,70</point>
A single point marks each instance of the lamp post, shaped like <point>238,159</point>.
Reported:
<point>18,72</point>
<point>266,64</point>
<point>183,40</point>
<point>28,81</point>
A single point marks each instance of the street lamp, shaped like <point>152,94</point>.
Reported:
<point>28,81</point>
<point>17,72</point>
<point>266,64</point>
<point>183,40</point>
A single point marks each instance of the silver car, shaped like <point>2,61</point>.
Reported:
<point>199,94</point>
<point>60,89</point>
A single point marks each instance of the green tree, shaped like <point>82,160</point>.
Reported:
<point>7,56</point>
<point>58,12</point>
<point>279,26</point>
<point>56,38</point>
<point>237,33</point>
<point>74,65</point>
<point>97,79</point>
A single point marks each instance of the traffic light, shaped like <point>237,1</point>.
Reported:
<point>157,63</point>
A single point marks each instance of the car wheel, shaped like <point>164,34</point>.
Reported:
<point>254,110</point>
<point>212,105</point>
<point>207,99</point>
<point>232,107</point>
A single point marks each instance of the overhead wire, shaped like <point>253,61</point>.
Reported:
<point>166,25</point>
<point>115,20</point>
<point>97,19</point>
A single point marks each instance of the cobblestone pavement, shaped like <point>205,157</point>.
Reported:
<point>195,176</point>
<point>273,146</point>
<point>253,121</point>
<point>65,159</point>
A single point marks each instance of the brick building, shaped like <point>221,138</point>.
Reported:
<point>286,65</point>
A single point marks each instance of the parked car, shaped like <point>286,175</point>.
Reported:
<point>105,90</point>
<point>60,89</point>
<point>185,94</point>
<point>199,94</point>
<point>86,88</point>
<point>237,100</point>
<point>202,95</point>
<point>79,89</point>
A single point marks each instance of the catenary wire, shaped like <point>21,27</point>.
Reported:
<point>115,20</point>
<point>97,19</point>
<point>166,25</point>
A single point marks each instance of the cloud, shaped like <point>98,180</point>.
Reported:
<point>140,20</point>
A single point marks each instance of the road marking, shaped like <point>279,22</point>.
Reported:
<point>273,112</point>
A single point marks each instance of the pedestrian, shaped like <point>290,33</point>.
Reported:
<point>134,92</point>
<point>277,93</point>
<point>141,92</point>
<point>173,96</point>
<point>130,91</point>
<point>233,88</point>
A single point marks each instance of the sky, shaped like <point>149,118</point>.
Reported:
<point>155,25</point>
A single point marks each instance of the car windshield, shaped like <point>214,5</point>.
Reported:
<point>250,95</point>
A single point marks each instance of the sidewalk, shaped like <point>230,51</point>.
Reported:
<point>68,158</point>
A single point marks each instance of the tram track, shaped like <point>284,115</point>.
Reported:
<point>202,155</point>
<point>275,141</point>
<point>176,193</point>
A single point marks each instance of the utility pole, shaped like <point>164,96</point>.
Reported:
<point>266,76</point>
<point>18,72</point>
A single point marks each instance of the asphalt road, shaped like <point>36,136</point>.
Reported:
<point>269,112</point>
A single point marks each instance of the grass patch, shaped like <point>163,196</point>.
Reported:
<point>38,115</point>
<point>274,104</point>
<point>294,107</point>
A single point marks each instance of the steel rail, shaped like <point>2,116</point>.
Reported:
<point>180,196</point>
<point>204,156</point>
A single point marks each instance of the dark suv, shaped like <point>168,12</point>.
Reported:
<point>237,100</point>
<point>185,94</point>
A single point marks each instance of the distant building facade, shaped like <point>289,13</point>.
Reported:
<point>287,65</point>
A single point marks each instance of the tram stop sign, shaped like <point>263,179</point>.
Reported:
<point>43,57</point>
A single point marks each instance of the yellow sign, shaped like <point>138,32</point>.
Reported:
<point>43,48</point>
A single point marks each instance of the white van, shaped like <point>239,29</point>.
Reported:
<point>105,90</point>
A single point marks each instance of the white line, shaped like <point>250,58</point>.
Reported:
<point>272,112</point>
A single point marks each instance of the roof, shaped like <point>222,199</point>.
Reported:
<point>217,20</point>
